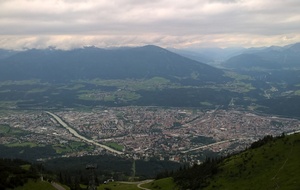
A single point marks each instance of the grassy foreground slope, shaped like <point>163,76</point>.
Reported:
<point>36,185</point>
<point>162,184</point>
<point>274,165</point>
<point>118,186</point>
<point>270,163</point>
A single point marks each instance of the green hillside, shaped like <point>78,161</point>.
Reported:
<point>271,163</point>
<point>165,184</point>
<point>36,185</point>
<point>274,165</point>
<point>14,173</point>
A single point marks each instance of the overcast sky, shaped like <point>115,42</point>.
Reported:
<point>68,24</point>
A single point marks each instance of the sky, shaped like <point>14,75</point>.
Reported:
<point>67,24</point>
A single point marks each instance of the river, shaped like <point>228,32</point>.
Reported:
<point>72,131</point>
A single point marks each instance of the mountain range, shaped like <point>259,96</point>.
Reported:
<point>256,78</point>
<point>273,57</point>
<point>53,65</point>
<point>145,62</point>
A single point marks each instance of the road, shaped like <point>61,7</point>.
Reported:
<point>221,142</point>
<point>206,146</point>
<point>139,183</point>
<point>57,186</point>
<point>144,182</point>
<point>72,131</point>
<point>291,133</point>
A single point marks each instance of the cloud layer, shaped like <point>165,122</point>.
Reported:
<point>168,23</point>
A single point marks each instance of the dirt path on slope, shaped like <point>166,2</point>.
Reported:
<point>139,183</point>
<point>57,186</point>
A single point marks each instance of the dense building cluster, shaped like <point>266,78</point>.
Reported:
<point>147,132</point>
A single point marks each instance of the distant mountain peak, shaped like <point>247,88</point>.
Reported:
<point>152,48</point>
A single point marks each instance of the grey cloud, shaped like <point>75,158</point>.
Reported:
<point>131,21</point>
<point>224,1</point>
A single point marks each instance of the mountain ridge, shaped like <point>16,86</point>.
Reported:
<point>274,57</point>
<point>91,62</point>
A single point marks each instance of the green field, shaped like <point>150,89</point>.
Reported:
<point>7,104</point>
<point>72,87</point>
<point>38,185</point>
<point>37,90</point>
<point>22,82</point>
<point>114,145</point>
<point>4,129</point>
<point>23,144</point>
<point>61,148</point>
<point>26,167</point>
<point>161,184</point>
<point>118,186</point>
<point>297,93</point>
<point>126,89</point>
<point>71,147</point>
<point>237,76</point>
<point>153,83</point>
<point>205,103</point>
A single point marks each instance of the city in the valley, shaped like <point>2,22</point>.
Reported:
<point>175,134</point>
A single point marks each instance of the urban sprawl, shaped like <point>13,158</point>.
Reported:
<point>174,134</point>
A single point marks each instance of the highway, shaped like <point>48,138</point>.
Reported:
<point>206,146</point>
<point>291,133</point>
<point>72,131</point>
<point>221,142</point>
